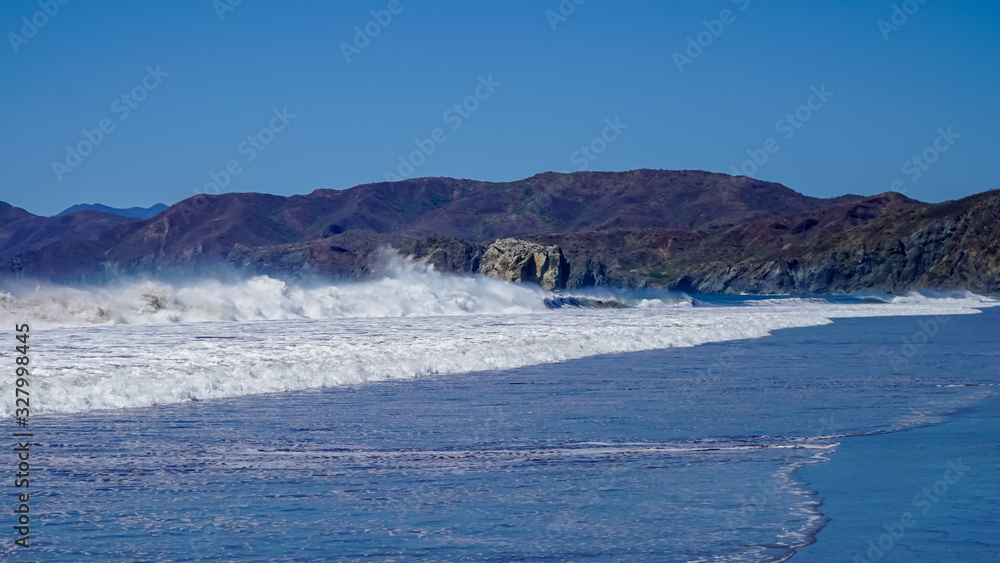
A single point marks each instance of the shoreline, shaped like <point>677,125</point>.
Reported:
<point>923,493</point>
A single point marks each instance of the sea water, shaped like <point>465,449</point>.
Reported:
<point>445,418</point>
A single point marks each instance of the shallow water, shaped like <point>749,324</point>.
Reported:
<point>928,493</point>
<point>684,454</point>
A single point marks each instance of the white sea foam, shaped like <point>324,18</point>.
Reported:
<point>412,322</point>
<point>406,289</point>
<point>788,301</point>
<point>942,298</point>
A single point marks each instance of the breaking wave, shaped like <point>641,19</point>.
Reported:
<point>143,342</point>
<point>91,368</point>
<point>403,289</point>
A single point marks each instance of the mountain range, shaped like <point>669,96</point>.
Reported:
<point>133,212</point>
<point>690,230</point>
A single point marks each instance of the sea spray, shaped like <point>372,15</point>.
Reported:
<point>397,287</point>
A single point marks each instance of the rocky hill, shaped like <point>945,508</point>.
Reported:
<point>691,230</point>
<point>885,243</point>
<point>132,212</point>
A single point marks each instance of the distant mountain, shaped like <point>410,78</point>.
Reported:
<point>207,229</point>
<point>690,230</point>
<point>75,238</point>
<point>131,212</point>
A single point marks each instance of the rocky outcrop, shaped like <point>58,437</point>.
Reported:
<point>446,254</point>
<point>591,273</point>
<point>520,261</point>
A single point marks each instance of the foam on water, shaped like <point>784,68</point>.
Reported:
<point>786,301</point>
<point>406,288</point>
<point>409,323</point>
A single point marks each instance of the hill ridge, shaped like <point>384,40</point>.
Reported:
<point>690,229</point>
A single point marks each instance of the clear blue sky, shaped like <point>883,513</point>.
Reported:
<point>557,87</point>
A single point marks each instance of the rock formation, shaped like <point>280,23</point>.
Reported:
<point>520,261</point>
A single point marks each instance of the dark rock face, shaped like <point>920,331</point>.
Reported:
<point>954,245</point>
<point>446,254</point>
<point>520,261</point>
<point>589,274</point>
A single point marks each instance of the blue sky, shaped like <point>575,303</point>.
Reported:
<point>266,90</point>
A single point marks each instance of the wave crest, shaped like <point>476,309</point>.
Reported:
<point>403,288</point>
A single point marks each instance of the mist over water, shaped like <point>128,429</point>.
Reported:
<point>402,288</point>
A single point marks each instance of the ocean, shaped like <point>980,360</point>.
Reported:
<point>423,416</point>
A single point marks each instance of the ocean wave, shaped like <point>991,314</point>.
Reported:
<point>403,288</point>
<point>108,367</point>
<point>140,343</point>
<point>618,298</point>
<point>940,297</point>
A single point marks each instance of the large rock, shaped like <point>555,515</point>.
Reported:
<point>521,261</point>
